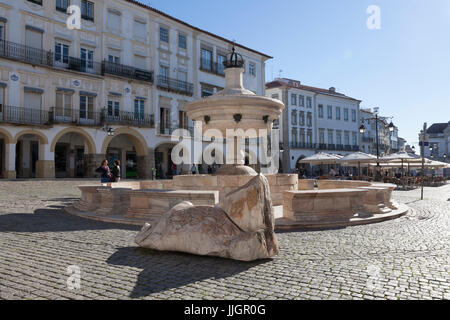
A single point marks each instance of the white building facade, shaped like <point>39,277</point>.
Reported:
<point>129,68</point>
<point>314,120</point>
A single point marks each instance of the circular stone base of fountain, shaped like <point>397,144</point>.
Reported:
<point>235,170</point>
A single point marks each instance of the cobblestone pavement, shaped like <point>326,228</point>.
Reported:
<point>406,258</point>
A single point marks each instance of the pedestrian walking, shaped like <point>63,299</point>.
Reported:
<point>105,173</point>
<point>116,175</point>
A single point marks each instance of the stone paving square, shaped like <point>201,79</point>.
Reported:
<point>406,258</point>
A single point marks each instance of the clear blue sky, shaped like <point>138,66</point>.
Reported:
<point>403,68</point>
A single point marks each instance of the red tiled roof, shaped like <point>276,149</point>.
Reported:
<point>277,83</point>
<point>195,28</point>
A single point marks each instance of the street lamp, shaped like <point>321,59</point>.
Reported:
<point>362,130</point>
<point>109,130</point>
<point>391,127</point>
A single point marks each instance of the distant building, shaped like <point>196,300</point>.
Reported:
<point>438,141</point>
<point>402,146</point>
<point>314,120</point>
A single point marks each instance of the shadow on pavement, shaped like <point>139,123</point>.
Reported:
<point>53,219</point>
<point>166,270</point>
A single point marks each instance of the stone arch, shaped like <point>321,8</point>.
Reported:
<point>42,137</point>
<point>163,161</point>
<point>136,138</point>
<point>31,161</point>
<point>165,143</point>
<point>297,163</point>
<point>8,137</point>
<point>89,141</point>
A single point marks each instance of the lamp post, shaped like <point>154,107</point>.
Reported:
<point>109,130</point>
<point>362,130</point>
<point>422,153</point>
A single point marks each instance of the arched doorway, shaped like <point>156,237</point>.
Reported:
<point>164,166</point>
<point>303,169</point>
<point>70,148</point>
<point>129,147</point>
<point>29,151</point>
<point>5,138</point>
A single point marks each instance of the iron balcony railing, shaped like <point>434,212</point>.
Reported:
<point>83,65</point>
<point>324,146</point>
<point>302,145</point>
<point>76,116</point>
<point>35,56</point>
<point>23,53</point>
<point>213,67</point>
<point>95,118</point>
<point>127,71</point>
<point>20,115</point>
<point>129,118</point>
<point>174,85</point>
<point>87,17</point>
<point>169,129</point>
<point>367,139</point>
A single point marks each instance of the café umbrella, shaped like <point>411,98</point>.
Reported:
<point>321,158</point>
<point>403,157</point>
<point>358,158</point>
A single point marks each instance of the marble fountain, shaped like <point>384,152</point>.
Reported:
<point>233,213</point>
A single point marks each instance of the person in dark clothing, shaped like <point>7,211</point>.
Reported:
<point>104,171</point>
<point>116,171</point>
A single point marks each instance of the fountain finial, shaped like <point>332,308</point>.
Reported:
<point>233,59</point>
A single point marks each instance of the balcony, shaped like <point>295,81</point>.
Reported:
<point>174,85</point>
<point>163,129</point>
<point>23,53</point>
<point>20,115</point>
<point>121,70</point>
<point>302,145</point>
<point>130,119</point>
<point>367,139</point>
<point>212,67</point>
<point>14,51</point>
<point>85,66</point>
<point>76,117</point>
